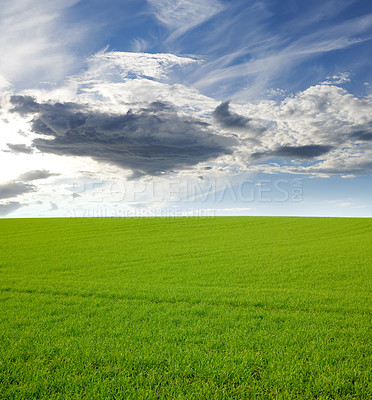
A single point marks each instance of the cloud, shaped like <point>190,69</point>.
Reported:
<point>296,152</point>
<point>23,105</point>
<point>109,64</point>
<point>4,84</point>
<point>36,39</point>
<point>139,45</point>
<point>180,16</point>
<point>272,55</point>
<point>36,175</point>
<point>232,121</point>
<point>20,148</point>
<point>364,133</point>
<point>150,141</point>
<point>228,119</point>
<point>151,127</point>
<point>14,189</point>
<point>323,125</point>
<point>339,166</point>
<point>337,79</point>
<point>309,151</point>
<point>9,207</point>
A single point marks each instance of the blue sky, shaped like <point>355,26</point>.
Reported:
<point>170,107</point>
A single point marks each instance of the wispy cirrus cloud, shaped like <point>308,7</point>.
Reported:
<point>269,55</point>
<point>180,16</point>
<point>36,44</point>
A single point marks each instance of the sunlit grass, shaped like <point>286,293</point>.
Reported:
<point>185,308</point>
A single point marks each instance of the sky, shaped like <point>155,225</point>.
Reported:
<point>184,108</point>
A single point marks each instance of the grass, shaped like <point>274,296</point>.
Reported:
<point>199,308</point>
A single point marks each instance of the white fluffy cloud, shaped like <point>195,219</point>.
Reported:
<point>112,63</point>
<point>322,116</point>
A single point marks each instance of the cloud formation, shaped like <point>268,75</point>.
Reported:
<point>150,141</point>
<point>9,207</point>
<point>172,128</point>
<point>133,65</point>
<point>23,105</point>
<point>364,133</point>
<point>161,113</point>
<point>13,189</point>
<point>296,152</point>
<point>180,16</point>
<point>35,175</point>
<point>271,57</point>
<point>20,148</point>
<point>35,42</point>
<point>19,187</point>
<point>227,119</point>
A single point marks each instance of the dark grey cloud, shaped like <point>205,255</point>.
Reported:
<point>21,186</point>
<point>20,148</point>
<point>364,133</point>
<point>24,105</point>
<point>151,141</point>
<point>13,189</point>
<point>227,119</point>
<point>8,208</point>
<point>232,121</point>
<point>296,152</point>
<point>309,151</point>
<point>36,175</point>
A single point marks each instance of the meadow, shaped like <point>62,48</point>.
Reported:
<point>185,308</point>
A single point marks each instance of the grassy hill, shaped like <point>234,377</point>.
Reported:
<point>236,307</point>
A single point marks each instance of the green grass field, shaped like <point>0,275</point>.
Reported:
<point>199,308</point>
